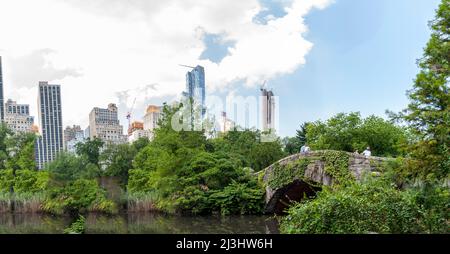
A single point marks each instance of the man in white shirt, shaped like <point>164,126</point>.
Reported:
<point>302,150</point>
<point>367,152</point>
<point>307,149</point>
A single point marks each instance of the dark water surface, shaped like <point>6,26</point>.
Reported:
<point>140,223</point>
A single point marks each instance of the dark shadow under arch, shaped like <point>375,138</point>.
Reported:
<point>284,197</point>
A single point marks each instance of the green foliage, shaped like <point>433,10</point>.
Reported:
<point>153,158</point>
<point>21,151</point>
<point>433,201</point>
<point>428,113</point>
<point>31,181</point>
<point>140,143</point>
<point>79,196</point>
<point>139,181</point>
<point>349,132</point>
<point>291,145</point>
<point>117,160</point>
<point>18,155</point>
<point>6,180</point>
<point>357,208</point>
<point>90,150</point>
<point>238,198</point>
<point>77,227</point>
<point>5,133</point>
<point>25,181</point>
<point>69,167</point>
<point>246,146</point>
<point>336,165</point>
<point>185,170</point>
<point>284,175</point>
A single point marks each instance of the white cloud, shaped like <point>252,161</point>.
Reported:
<point>126,45</point>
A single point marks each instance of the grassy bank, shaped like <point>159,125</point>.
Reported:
<point>21,203</point>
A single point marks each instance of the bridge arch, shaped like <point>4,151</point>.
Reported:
<point>302,175</point>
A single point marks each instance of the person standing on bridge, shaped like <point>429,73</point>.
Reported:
<point>367,152</point>
<point>305,149</point>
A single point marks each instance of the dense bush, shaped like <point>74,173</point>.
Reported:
<point>238,198</point>
<point>372,207</point>
<point>25,181</point>
<point>433,201</point>
<point>79,196</point>
<point>69,167</point>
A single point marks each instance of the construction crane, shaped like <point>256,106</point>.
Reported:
<point>263,86</point>
<point>130,113</point>
<point>187,66</point>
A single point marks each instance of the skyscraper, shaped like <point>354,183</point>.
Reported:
<point>195,87</point>
<point>104,124</point>
<point>151,118</point>
<point>50,143</point>
<point>267,110</point>
<point>2,101</point>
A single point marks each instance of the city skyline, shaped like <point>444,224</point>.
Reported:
<point>238,56</point>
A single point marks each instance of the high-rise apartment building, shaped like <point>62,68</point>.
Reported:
<point>267,110</point>
<point>151,118</point>
<point>50,141</point>
<point>226,124</point>
<point>146,128</point>
<point>104,124</point>
<point>72,135</point>
<point>196,88</point>
<point>71,145</point>
<point>17,117</point>
<point>2,101</point>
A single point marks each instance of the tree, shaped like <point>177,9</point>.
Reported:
<point>301,135</point>
<point>117,160</point>
<point>5,132</point>
<point>350,132</point>
<point>68,167</point>
<point>90,149</point>
<point>184,168</point>
<point>21,151</point>
<point>428,113</point>
<point>291,145</point>
<point>141,143</point>
<point>264,154</point>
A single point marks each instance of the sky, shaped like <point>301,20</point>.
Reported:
<point>320,57</point>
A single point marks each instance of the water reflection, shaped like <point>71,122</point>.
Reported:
<point>140,223</point>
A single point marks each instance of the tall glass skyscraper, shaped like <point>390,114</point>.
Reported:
<point>51,141</point>
<point>268,110</point>
<point>195,86</point>
<point>2,101</point>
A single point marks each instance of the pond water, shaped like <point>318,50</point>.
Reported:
<point>140,223</point>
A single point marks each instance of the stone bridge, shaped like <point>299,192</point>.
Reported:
<point>297,176</point>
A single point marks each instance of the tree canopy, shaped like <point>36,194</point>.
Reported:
<point>428,113</point>
<point>351,132</point>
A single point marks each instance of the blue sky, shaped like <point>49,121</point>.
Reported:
<point>363,59</point>
<point>363,56</point>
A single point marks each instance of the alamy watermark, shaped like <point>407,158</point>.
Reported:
<point>234,113</point>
